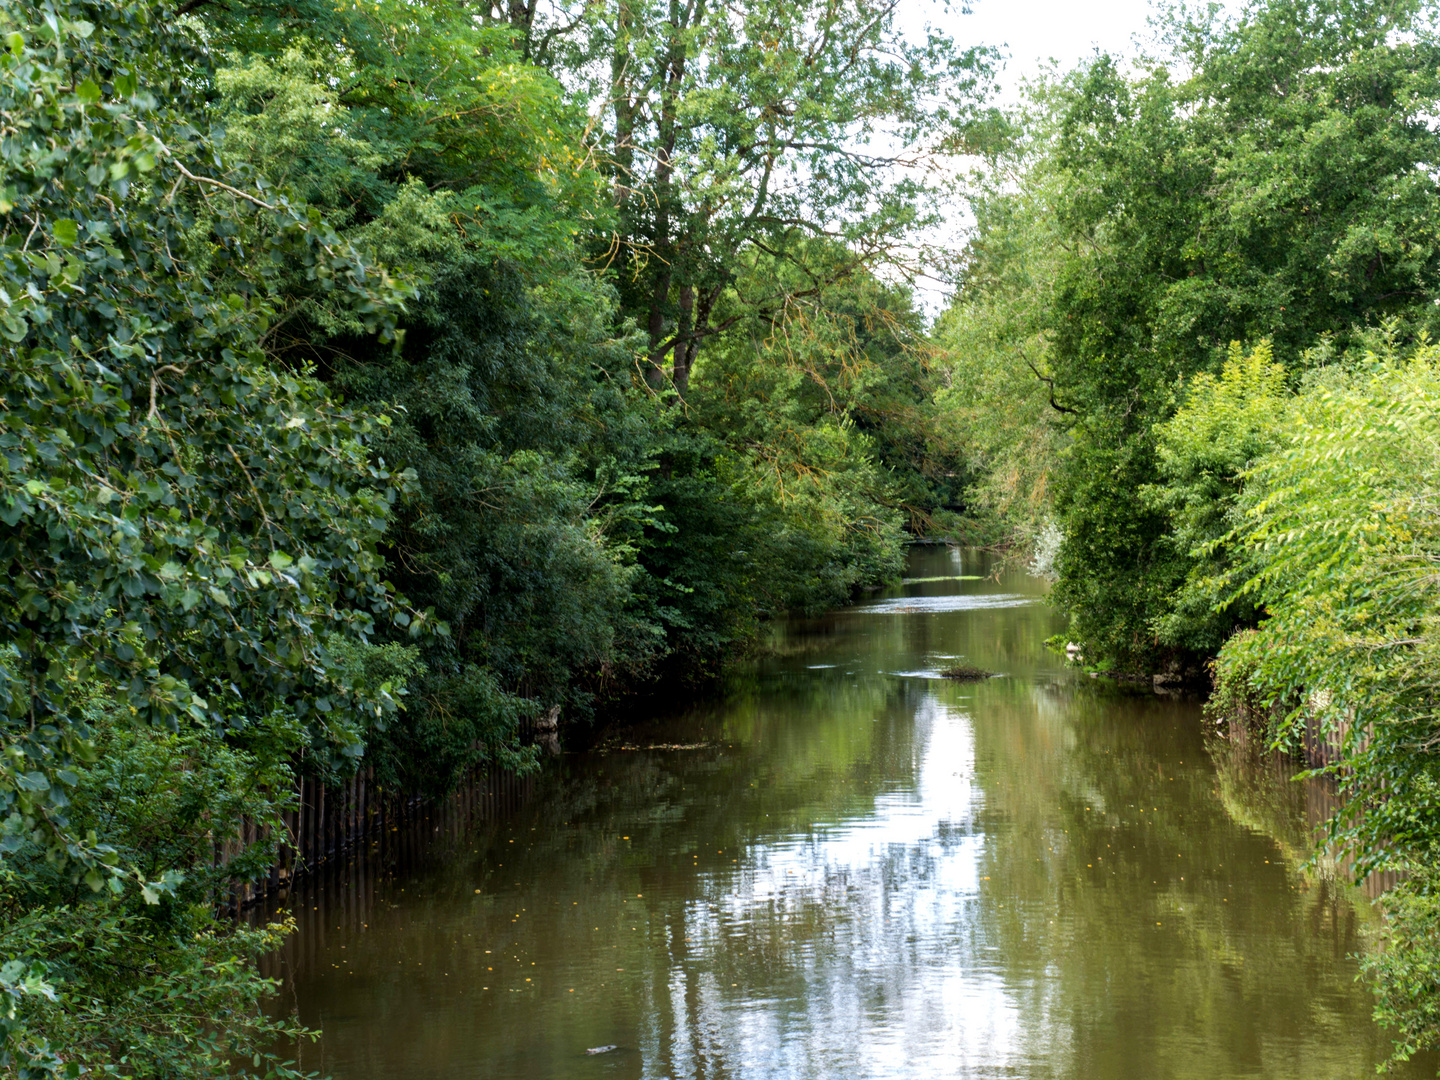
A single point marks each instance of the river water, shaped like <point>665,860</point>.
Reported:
<point>847,867</point>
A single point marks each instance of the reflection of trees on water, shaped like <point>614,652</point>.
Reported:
<point>613,840</point>
<point>846,871</point>
<point>1142,916</point>
<point>1260,790</point>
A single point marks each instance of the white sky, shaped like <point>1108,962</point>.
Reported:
<point>1034,31</point>
<point>1030,33</point>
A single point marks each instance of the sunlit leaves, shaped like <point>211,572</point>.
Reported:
<point>1325,518</point>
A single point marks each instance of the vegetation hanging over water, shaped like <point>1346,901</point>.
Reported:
<point>1193,358</point>
<point>382,376</point>
<point>367,397</point>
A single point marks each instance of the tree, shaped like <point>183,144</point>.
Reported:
<point>727,130</point>
<point>441,152</point>
<point>993,343</point>
<point>1281,188</point>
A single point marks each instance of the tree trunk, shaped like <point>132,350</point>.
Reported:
<point>522,20</point>
<point>699,327</point>
<point>662,248</point>
<point>686,340</point>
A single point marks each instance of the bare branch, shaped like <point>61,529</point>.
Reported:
<point>218,184</point>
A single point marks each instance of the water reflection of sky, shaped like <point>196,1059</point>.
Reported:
<point>921,605</point>
<point>795,881</point>
<point>891,972</point>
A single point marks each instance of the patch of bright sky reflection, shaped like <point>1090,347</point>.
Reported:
<point>913,605</point>
<point>875,959</point>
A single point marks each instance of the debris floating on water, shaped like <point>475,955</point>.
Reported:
<point>966,673</point>
<point>952,577</point>
<point>669,746</point>
<point>601,1049</point>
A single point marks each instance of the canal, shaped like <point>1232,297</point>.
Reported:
<point>844,866</point>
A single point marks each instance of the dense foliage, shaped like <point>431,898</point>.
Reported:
<point>335,430</point>
<point>1269,177</point>
<point>189,533</point>
<point>381,377</point>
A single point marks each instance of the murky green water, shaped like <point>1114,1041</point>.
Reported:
<point>848,868</point>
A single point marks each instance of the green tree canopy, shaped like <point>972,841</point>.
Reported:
<point>1271,177</point>
<point>184,522</point>
<point>724,130</point>
<point>189,550</point>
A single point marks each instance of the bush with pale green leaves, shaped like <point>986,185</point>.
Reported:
<point>1316,511</point>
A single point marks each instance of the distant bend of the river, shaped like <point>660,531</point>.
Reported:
<point>847,867</point>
